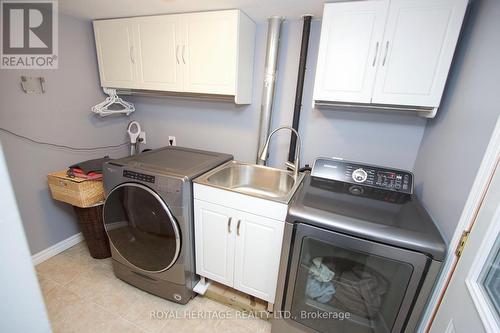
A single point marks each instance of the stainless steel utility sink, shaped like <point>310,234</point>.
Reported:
<point>254,180</point>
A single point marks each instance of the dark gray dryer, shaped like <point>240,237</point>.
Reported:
<point>148,216</point>
<point>357,243</point>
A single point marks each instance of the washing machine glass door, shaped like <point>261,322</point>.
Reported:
<point>141,227</point>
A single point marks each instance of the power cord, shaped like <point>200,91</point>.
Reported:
<point>61,146</point>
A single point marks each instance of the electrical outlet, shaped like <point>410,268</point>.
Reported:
<point>172,141</point>
<point>142,136</point>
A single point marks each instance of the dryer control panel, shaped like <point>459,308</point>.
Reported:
<point>363,174</point>
<point>138,176</point>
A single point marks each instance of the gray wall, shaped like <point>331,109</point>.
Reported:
<point>228,128</point>
<point>61,115</point>
<point>454,142</point>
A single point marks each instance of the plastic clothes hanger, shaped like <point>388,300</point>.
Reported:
<point>113,105</point>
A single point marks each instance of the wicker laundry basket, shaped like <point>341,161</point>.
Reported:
<point>75,191</point>
<point>90,219</point>
<point>87,197</point>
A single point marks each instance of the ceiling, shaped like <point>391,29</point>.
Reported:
<point>258,10</point>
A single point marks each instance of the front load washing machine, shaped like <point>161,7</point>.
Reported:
<point>148,217</point>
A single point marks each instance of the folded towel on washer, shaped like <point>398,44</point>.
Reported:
<point>76,172</point>
<point>94,165</point>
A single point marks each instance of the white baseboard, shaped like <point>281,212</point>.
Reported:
<point>55,249</point>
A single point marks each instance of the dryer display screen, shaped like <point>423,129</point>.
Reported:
<point>138,176</point>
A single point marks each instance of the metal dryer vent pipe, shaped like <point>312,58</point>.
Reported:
<point>266,109</point>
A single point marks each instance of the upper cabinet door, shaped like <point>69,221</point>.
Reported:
<point>116,53</point>
<point>210,52</point>
<point>418,48</point>
<point>159,41</point>
<point>257,255</point>
<point>351,40</point>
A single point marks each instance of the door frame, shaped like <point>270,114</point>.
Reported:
<point>491,160</point>
<point>477,293</point>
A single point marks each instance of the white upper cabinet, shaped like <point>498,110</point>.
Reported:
<point>351,35</point>
<point>387,52</point>
<point>158,55</point>
<point>115,53</point>
<point>210,52</point>
<point>418,46</point>
<point>197,53</point>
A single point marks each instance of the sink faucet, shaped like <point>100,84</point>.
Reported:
<point>296,164</point>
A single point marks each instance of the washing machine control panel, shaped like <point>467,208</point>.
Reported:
<point>363,174</point>
<point>138,176</point>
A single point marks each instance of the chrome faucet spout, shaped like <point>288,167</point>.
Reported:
<point>296,165</point>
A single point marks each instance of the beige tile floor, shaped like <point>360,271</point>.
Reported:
<point>82,295</point>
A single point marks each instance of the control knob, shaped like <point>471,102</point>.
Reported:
<point>356,190</point>
<point>359,175</point>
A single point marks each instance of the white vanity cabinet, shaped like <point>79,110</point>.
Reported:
<point>208,53</point>
<point>239,246</point>
<point>387,52</point>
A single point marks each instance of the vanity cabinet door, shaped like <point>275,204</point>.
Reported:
<point>257,255</point>
<point>215,227</point>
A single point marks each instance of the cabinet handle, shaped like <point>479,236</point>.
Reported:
<point>376,53</point>
<point>183,49</point>
<point>229,225</point>
<point>386,51</point>
<point>177,54</point>
<point>132,55</point>
<point>238,228</point>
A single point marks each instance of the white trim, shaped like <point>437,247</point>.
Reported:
<point>55,249</point>
<point>488,314</point>
<point>480,185</point>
